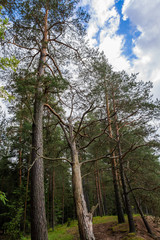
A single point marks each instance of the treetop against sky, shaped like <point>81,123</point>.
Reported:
<point>128,32</point>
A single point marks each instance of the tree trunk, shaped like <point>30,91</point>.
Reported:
<point>140,210</point>
<point>38,214</point>
<point>25,204</point>
<point>20,155</point>
<point>63,201</point>
<point>53,193</point>
<point>118,200</point>
<point>119,207</point>
<point>86,192</point>
<point>38,220</point>
<point>99,192</point>
<point>124,185</point>
<point>84,217</point>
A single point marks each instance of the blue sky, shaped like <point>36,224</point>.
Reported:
<point>128,30</point>
<point>129,34</point>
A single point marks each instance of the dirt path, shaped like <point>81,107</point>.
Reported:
<point>114,231</point>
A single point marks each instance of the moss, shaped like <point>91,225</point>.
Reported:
<point>132,236</point>
<point>123,227</point>
<point>104,219</point>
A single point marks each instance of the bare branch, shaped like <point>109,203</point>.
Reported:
<point>87,111</point>
<point>50,69</point>
<point>56,114</point>
<point>96,159</point>
<point>99,135</point>
<point>54,24</point>
<point>132,148</point>
<point>145,189</point>
<point>93,209</point>
<point>55,64</point>
<point>56,159</point>
<point>61,122</point>
<point>66,45</point>
<point>20,46</point>
<point>33,57</point>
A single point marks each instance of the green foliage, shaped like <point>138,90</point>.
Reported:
<point>3,197</point>
<point>9,62</point>
<point>6,62</point>
<point>13,227</point>
<point>5,95</point>
<point>15,214</point>
<point>3,25</point>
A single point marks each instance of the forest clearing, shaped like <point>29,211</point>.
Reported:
<point>79,139</point>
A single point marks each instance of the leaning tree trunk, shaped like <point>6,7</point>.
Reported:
<point>84,217</point>
<point>38,214</point>
<point>140,210</point>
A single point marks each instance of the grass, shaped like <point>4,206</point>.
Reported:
<point>105,219</point>
<point>132,236</point>
<point>63,232</point>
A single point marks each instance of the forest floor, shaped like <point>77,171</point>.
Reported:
<point>114,231</point>
<point>105,228</point>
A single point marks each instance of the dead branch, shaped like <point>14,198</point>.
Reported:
<point>96,159</point>
<point>55,159</point>
<point>55,64</point>
<point>99,135</point>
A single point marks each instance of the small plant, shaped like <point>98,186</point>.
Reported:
<point>13,227</point>
<point>3,197</point>
<point>69,222</point>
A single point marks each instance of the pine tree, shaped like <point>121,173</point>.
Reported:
<point>40,27</point>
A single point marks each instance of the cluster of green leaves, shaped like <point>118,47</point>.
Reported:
<point>3,24</point>
<point>3,197</point>
<point>9,62</point>
<point>6,62</point>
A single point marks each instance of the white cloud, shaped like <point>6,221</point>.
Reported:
<point>106,20</point>
<point>112,49</point>
<point>145,15</point>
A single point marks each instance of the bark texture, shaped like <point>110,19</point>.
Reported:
<point>84,217</point>
<point>38,214</point>
<point>38,220</point>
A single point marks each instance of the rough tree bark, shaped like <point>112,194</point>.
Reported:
<point>38,214</point>
<point>84,217</point>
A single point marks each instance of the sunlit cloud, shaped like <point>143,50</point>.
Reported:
<point>103,30</point>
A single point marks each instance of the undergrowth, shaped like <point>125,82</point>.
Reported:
<point>68,231</point>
